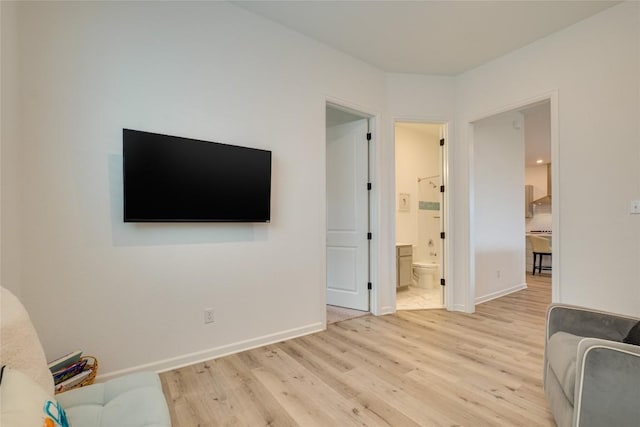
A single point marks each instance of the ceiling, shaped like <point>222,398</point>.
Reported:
<point>426,37</point>
<point>431,37</point>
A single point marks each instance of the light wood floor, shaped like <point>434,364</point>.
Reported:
<point>413,368</point>
<point>338,314</point>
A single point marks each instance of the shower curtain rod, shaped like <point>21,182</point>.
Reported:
<point>427,177</point>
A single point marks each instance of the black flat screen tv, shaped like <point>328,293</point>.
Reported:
<point>175,179</point>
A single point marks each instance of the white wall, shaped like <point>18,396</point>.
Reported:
<point>498,216</point>
<point>593,67</point>
<point>10,221</point>
<point>212,71</point>
<point>134,294</point>
<point>427,99</point>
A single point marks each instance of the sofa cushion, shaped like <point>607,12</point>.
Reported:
<point>26,404</point>
<point>562,351</point>
<point>21,347</point>
<point>134,400</point>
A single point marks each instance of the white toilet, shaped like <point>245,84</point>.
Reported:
<point>426,274</point>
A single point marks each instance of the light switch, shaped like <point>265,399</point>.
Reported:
<point>635,207</point>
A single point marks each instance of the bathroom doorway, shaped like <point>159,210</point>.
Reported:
<point>420,159</point>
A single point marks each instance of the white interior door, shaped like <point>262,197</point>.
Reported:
<point>347,215</point>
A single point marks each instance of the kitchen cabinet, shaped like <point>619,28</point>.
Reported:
<point>528,201</point>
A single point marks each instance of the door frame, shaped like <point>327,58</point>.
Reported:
<point>552,97</point>
<point>372,117</point>
<point>447,217</point>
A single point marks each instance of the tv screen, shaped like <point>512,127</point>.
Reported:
<point>174,179</point>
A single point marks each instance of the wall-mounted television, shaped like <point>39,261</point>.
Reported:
<point>174,179</point>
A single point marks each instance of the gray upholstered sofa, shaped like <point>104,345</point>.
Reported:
<point>591,378</point>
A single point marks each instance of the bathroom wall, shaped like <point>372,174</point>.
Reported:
<point>417,155</point>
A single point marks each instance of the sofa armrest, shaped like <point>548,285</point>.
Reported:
<point>587,322</point>
<point>607,378</point>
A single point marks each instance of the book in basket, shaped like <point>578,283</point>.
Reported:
<point>64,361</point>
<point>73,381</point>
<point>68,372</point>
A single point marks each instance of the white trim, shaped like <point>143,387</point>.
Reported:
<point>556,294</point>
<point>447,126</point>
<point>517,105</point>
<point>215,352</point>
<point>458,307</point>
<point>387,309</point>
<point>375,226</point>
<point>469,296</point>
<point>500,293</point>
<point>552,97</point>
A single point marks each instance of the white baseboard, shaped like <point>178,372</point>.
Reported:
<point>387,309</point>
<point>500,293</point>
<point>459,307</point>
<point>214,353</point>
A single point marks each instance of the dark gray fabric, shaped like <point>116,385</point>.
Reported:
<point>587,323</point>
<point>561,352</point>
<point>633,336</point>
<point>610,389</point>
<point>607,383</point>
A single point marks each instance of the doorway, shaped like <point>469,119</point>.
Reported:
<point>419,153</point>
<point>348,251</point>
<point>512,164</point>
<point>538,191</point>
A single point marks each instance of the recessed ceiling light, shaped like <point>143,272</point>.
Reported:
<point>539,161</point>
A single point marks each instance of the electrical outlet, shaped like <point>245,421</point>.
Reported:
<point>497,274</point>
<point>635,207</point>
<point>208,315</point>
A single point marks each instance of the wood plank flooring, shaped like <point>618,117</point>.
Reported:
<point>338,314</point>
<point>413,368</point>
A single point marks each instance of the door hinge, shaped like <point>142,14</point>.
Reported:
<point>442,188</point>
<point>369,286</point>
<point>442,235</point>
<point>368,186</point>
<point>442,282</point>
<point>442,142</point>
<point>369,236</point>
<point>368,136</point>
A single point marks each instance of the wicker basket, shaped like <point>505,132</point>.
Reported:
<point>92,363</point>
